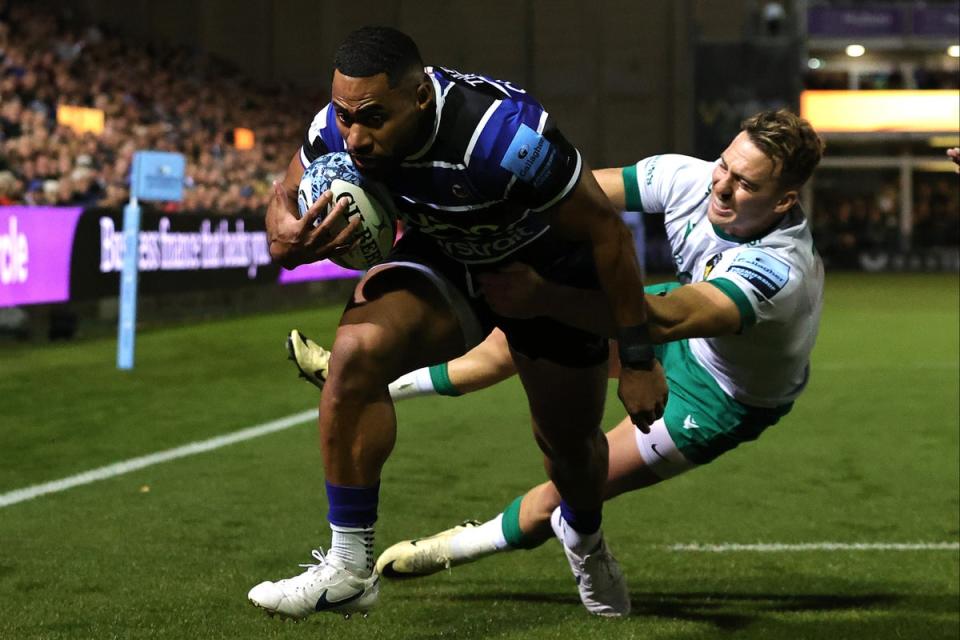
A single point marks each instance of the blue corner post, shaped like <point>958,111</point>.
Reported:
<point>156,175</point>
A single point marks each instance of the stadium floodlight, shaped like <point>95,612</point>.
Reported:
<point>881,111</point>
<point>954,51</point>
<point>855,50</point>
<point>814,63</point>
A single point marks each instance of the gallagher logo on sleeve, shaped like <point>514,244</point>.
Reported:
<point>766,273</point>
<point>529,156</point>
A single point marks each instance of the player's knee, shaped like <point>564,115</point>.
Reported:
<point>573,447</point>
<point>357,360</point>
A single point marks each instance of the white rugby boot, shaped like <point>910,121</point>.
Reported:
<point>603,589</point>
<point>325,586</point>
<point>311,359</point>
<point>422,556</point>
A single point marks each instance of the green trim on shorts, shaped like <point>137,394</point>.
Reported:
<point>701,418</point>
<point>748,317</point>
<point>440,378</point>
<point>631,189</point>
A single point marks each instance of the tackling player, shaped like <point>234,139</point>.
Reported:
<point>481,176</point>
<point>734,340</point>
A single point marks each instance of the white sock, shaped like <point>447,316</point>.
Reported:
<point>413,384</point>
<point>580,543</point>
<point>352,548</point>
<point>474,543</point>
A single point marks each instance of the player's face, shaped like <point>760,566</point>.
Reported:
<point>380,125</point>
<point>746,198</point>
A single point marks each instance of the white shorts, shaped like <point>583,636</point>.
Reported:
<point>660,453</point>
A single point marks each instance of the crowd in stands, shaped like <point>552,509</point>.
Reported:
<point>152,98</point>
<point>846,225</point>
<point>177,100</point>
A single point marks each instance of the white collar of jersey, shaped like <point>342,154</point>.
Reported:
<point>438,105</point>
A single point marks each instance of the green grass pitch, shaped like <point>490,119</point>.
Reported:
<point>869,455</point>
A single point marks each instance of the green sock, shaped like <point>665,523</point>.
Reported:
<point>441,381</point>
<point>511,528</point>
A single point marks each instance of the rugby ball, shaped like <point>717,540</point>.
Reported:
<point>369,201</point>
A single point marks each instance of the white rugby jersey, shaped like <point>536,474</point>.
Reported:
<point>775,280</point>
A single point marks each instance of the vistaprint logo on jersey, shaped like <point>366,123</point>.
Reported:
<point>488,249</point>
<point>477,242</point>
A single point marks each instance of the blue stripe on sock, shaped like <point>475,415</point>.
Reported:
<point>585,521</point>
<point>352,506</point>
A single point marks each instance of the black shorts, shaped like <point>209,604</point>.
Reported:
<point>553,258</point>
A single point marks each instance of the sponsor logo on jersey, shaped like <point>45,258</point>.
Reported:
<point>483,242</point>
<point>488,249</point>
<point>767,274</point>
<point>690,423</point>
<point>530,156</point>
<point>651,167</point>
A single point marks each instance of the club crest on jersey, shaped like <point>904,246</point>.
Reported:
<point>711,263</point>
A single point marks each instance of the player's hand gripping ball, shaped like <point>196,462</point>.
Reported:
<point>335,172</point>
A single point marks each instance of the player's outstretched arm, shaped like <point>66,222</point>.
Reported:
<point>698,310</point>
<point>294,240</point>
<point>611,181</point>
<point>588,216</point>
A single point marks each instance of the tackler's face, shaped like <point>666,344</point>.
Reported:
<point>379,124</point>
<point>746,198</point>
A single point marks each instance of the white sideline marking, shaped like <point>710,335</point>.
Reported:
<point>774,547</point>
<point>134,464</point>
<point>913,366</point>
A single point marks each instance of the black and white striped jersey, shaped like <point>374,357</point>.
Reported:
<point>494,162</point>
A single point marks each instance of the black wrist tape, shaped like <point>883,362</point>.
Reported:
<point>635,348</point>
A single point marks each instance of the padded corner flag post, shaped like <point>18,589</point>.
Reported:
<point>156,175</point>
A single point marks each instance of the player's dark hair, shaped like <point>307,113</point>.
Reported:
<point>369,51</point>
<point>788,140</point>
